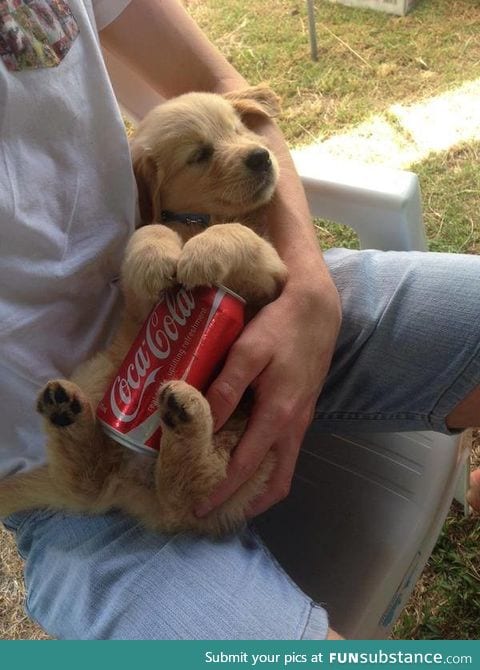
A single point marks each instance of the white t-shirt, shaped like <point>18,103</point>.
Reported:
<point>67,205</point>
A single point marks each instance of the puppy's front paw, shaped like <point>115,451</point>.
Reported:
<point>200,264</point>
<point>60,403</point>
<point>159,275</point>
<point>150,265</point>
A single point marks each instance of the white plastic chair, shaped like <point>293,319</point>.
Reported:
<point>377,501</point>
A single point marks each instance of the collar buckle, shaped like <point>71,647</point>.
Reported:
<point>188,218</point>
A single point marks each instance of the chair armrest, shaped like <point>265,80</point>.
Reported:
<point>382,204</point>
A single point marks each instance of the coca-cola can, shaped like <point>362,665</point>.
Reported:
<point>186,336</point>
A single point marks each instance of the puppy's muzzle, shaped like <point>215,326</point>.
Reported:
<point>259,161</point>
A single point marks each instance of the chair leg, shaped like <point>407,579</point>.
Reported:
<point>463,481</point>
<point>312,30</point>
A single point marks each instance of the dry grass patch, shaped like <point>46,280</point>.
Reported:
<point>14,623</point>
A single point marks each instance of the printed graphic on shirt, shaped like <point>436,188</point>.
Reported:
<point>35,33</point>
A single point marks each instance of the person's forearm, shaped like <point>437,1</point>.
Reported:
<point>288,216</point>
<point>163,44</point>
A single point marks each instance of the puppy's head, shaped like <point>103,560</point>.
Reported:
<point>194,154</point>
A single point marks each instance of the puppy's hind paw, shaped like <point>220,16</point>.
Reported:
<point>183,407</point>
<point>59,402</point>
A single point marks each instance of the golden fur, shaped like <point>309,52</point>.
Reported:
<point>191,154</point>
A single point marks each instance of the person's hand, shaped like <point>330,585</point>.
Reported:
<point>284,354</point>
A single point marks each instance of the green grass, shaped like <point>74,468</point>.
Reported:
<point>369,61</point>
<point>388,59</point>
<point>451,198</point>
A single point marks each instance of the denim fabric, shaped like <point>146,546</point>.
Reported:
<point>105,577</point>
<point>409,346</point>
<point>408,351</point>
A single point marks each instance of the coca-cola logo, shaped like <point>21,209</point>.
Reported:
<point>163,327</point>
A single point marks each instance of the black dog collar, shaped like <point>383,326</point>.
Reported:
<point>186,217</point>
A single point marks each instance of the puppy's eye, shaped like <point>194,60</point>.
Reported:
<point>202,155</point>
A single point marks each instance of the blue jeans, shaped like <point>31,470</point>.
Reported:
<point>407,353</point>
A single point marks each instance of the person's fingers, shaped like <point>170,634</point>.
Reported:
<point>286,452</point>
<point>243,365</point>
<point>269,424</point>
<point>280,480</point>
<point>250,452</point>
<point>246,459</point>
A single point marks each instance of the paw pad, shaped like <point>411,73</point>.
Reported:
<point>172,411</point>
<point>58,405</point>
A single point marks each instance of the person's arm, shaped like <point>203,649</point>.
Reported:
<point>285,351</point>
<point>161,42</point>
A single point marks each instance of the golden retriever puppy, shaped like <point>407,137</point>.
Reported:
<point>203,178</point>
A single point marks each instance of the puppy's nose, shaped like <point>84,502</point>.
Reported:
<point>258,160</point>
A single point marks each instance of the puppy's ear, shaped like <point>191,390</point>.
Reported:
<point>258,99</point>
<point>149,178</point>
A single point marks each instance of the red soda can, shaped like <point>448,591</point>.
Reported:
<point>186,336</point>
